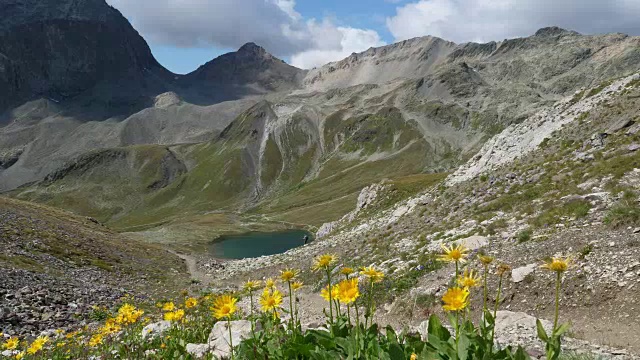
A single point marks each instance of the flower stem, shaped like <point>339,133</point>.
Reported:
<point>253,326</point>
<point>355,305</point>
<point>555,320</point>
<point>495,311</point>
<point>230,337</point>
<point>484,302</point>
<point>330,297</point>
<point>457,332</point>
<point>290,307</point>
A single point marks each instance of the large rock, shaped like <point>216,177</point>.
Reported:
<point>473,242</point>
<point>198,351</point>
<point>519,274</point>
<point>619,125</point>
<point>219,336</point>
<point>509,320</point>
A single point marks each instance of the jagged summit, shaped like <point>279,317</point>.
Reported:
<point>252,49</point>
<point>555,31</point>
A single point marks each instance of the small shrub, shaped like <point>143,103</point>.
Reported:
<point>623,215</point>
<point>524,235</point>
<point>586,250</point>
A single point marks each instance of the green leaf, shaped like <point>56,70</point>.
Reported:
<point>542,334</point>
<point>561,329</point>
<point>435,329</point>
<point>463,346</point>
<point>396,352</point>
<point>521,354</point>
<point>391,335</point>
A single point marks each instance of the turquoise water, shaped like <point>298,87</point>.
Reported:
<point>256,244</point>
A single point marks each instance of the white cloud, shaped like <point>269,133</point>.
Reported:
<point>273,24</point>
<point>335,43</point>
<point>485,20</point>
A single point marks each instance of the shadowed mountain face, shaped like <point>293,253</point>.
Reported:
<point>59,49</point>
<point>249,71</point>
<point>247,130</point>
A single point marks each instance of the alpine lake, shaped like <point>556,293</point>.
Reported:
<point>256,244</point>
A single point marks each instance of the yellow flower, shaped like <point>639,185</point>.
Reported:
<point>373,274</point>
<point>11,344</point>
<point>413,357</point>
<point>37,345</point>
<point>174,315</point>
<point>288,274</point>
<point>454,254</point>
<point>346,271</point>
<point>61,344</point>
<point>296,285</point>
<point>163,345</point>
<point>251,286</point>
<point>469,279</point>
<point>485,259</point>
<point>324,262</point>
<point>455,299</point>
<point>96,340</point>
<point>348,291</point>
<point>558,265</point>
<point>170,306</point>
<point>270,300</point>
<point>190,302</point>
<point>325,292</point>
<point>128,314</point>
<point>110,327</point>
<point>224,306</point>
<point>503,269</point>
<point>270,283</point>
<point>20,355</point>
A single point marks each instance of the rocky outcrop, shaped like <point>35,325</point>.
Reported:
<point>518,140</point>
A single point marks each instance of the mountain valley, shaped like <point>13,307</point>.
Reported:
<point>116,174</point>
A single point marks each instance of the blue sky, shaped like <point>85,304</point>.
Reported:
<point>184,34</point>
<point>368,14</point>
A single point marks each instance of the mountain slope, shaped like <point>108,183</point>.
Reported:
<point>56,266</point>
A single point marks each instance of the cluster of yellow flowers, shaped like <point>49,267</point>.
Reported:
<point>176,314</point>
<point>457,298</point>
<point>128,314</point>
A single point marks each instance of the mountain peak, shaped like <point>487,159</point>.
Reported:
<point>252,50</point>
<point>554,31</point>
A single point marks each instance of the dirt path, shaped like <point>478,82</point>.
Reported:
<point>192,267</point>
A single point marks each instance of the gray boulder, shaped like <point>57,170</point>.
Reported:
<point>219,336</point>
<point>155,329</point>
